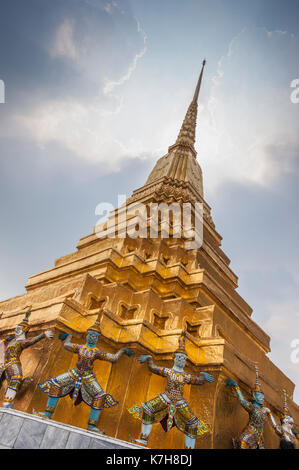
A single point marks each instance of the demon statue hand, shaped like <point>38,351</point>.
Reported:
<point>80,382</point>
<point>11,349</point>
<point>252,436</point>
<point>170,408</point>
<point>285,430</point>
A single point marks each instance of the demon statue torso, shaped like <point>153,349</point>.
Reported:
<point>80,382</point>
<point>11,349</point>
<point>252,436</point>
<point>170,408</point>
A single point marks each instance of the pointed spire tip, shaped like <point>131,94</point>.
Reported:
<point>187,132</point>
<point>195,97</point>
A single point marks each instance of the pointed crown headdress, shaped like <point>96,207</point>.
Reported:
<point>257,387</point>
<point>25,322</point>
<point>182,343</point>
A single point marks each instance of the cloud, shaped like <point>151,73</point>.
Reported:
<point>109,6</point>
<point>276,31</point>
<point>63,44</point>
<point>246,118</point>
<point>260,230</point>
<point>249,112</point>
<point>110,85</point>
<point>282,325</point>
<point>87,57</point>
<point>82,127</point>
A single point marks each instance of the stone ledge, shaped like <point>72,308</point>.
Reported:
<point>20,430</point>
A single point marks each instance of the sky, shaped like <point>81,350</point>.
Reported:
<point>96,91</point>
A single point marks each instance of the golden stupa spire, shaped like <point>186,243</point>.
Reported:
<point>180,164</point>
<point>187,132</point>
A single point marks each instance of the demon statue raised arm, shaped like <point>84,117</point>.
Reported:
<point>252,436</point>
<point>10,358</point>
<point>170,408</point>
<point>80,382</point>
<point>285,430</point>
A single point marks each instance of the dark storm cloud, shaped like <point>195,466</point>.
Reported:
<point>27,31</point>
